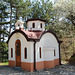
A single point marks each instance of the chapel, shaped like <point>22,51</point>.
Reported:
<point>34,48</point>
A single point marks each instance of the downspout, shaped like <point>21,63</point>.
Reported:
<point>35,55</point>
<point>60,53</point>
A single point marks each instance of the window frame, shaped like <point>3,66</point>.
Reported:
<point>54,53</point>
<point>11,52</point>
<point>40,52</point>
<point>25,52</point>
<point>33,25</point>
<point>40,25</point>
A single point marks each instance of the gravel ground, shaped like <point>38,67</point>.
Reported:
<point>64,69</point>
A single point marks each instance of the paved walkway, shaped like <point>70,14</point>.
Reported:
<point>65,69</point>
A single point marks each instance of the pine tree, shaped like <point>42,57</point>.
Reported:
<point>3,21</point>
<point>3,29</point>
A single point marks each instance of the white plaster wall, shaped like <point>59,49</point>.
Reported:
<point>47,43</point>
<point>20,23</point>
<point>20,26</point>
<point>37,25</point>
<point>48,55</point>
<point>24,44</point>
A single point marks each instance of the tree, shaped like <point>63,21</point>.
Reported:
<point>64,26</point>
<point>25,10</point>
<point>3,52</point>
<point>67,9</point>
<point>43,9</point>
<point>13,6</point>
<point>3,22</point>
<point>3,29</point>
<point>38,9</point>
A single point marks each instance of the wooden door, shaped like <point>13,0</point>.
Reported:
<point>18,53</point>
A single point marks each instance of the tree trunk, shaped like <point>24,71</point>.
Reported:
<point>17,14</point>
<point>10,16</point>
<point>0,28</point>
<point>0,34</point>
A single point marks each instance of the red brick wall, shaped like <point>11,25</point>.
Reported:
<point>39,65</point>
<point>48,64</point>
<point>12,63</point>
<point>27,66</point>
<point>56,62</point>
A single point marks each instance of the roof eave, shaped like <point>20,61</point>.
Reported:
<point>34,19</point>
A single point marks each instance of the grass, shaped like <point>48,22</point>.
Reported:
<point>4,63</point>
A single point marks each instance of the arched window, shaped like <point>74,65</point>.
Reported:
<point>25,53</point>
<point>11,52</point>
<point>40,51</point>
<point>54,53</point>
<point>41,25</point>
<point>33,25</point>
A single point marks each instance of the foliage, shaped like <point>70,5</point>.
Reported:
<point>66,9</point>
<point>43,10</point>
<point>20,9</point>
<point>3,51</point>
<point>72,60</point>
<point>3,21</point>
<point>67,48</point>
<point>65,27</point>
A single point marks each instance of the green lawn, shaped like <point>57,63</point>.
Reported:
<point>4,63</point>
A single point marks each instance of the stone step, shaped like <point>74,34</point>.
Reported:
<point>17,68</point>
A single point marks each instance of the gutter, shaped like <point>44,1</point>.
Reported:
<point>35,55</point>
<point>60,53</point>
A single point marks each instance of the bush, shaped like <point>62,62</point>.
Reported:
<point>72,60</point>
<point>3,52</point>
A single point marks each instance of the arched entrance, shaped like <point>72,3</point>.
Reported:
<point>18,53</point>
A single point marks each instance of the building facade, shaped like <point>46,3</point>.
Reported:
<point>34,48</point>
